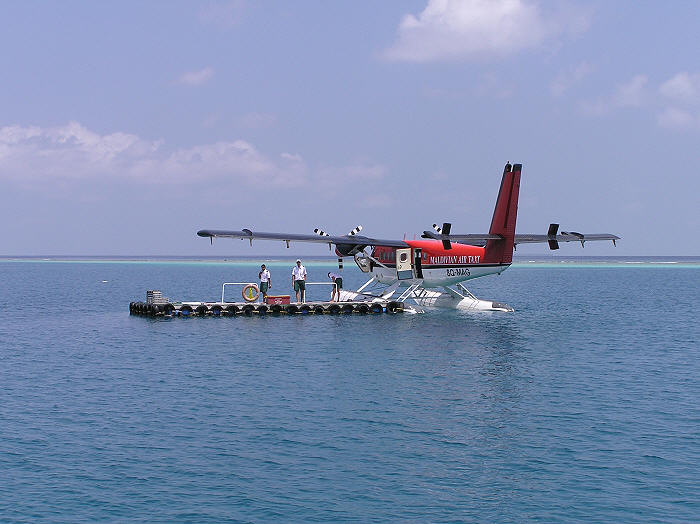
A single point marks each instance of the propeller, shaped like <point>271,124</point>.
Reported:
<point>339,247</point>
<point>322,233</point>
<point>444,230</point>
<point>552,234</point>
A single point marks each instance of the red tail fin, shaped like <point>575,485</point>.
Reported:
<point>504,217</point>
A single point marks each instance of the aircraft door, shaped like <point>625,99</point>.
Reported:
<point>404,264</point>
<point>418,262</point>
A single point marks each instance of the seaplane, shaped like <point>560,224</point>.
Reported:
<point>431,271</point>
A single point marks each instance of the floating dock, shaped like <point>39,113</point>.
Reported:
<point>157,305</point>
<point>218,309</point>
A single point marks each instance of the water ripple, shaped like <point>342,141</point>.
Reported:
<point>582,405</point>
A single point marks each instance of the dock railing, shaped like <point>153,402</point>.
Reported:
<point>223,287</point>
<point>319,284</point>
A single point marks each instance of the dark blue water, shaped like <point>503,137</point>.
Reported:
<point>581,405</point>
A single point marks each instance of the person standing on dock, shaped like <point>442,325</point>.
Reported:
<point>265,281</point>
<point>299,280</point>
<point>338,281</point>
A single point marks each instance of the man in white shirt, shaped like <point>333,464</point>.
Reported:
<point>338,280</point>
<point>265,281</point>
<point>299,280</point>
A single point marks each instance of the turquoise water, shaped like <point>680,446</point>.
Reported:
<point>580,405</point>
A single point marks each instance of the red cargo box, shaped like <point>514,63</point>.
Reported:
<point>277,299</point>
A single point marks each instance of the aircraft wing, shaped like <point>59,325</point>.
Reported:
<point>553,237</point>
<point>351,241</point>
<point>564,237</point>
<point>473,239</point>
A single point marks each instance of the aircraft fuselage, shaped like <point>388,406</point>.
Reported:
<point>434,265</point>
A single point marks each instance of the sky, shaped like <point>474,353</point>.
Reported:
<point>127,126</point>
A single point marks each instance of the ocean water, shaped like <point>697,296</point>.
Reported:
<point>582,405</point>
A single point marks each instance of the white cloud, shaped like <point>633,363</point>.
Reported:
<point>351,181</point>
<point>683,87</point>
<point>683,91</point>
<point>35,157</point>
<point>473,29</point>
<point>74,152</point>
<point>672,117</point>
<point>69,151</point>
<point>196,78</point>
<point>234,160</point>
<point>675,101</point>
<point>292,157</point>
<point>632,93</point>
<point>569,78</point>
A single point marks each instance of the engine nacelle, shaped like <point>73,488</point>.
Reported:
<point>347,250</point>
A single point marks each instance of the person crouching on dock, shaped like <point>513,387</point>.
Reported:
<point>338,281</point>
<point>299,280</point>
<point>265,282</point>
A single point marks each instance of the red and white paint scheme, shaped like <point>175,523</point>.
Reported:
<point>439,264</point>
<point>430,271</point>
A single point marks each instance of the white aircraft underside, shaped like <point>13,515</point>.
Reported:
<point>423,297</point>
<point>438,277</point>
<point>384,284</point>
